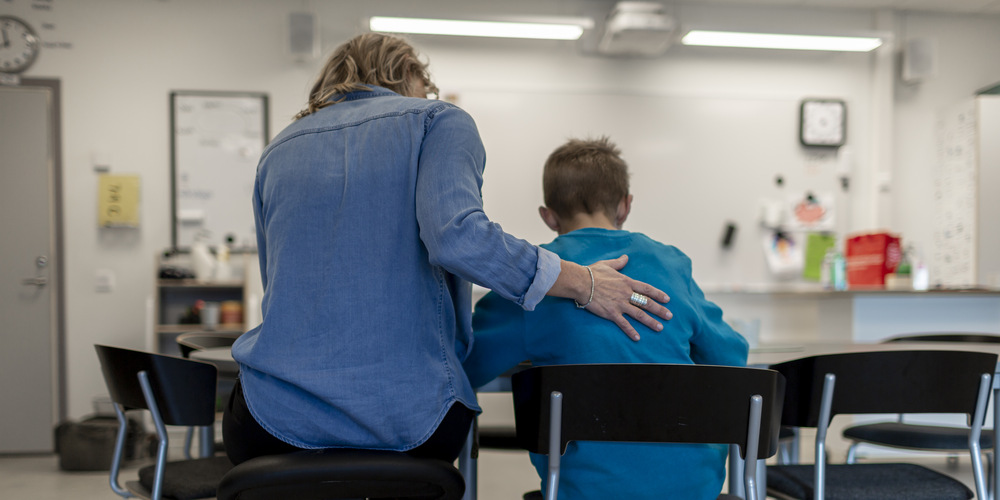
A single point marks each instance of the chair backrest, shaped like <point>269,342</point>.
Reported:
<point>665,403</point>
<point>184,389</point>
<point>194,341</point>
<point>884,382</point>
<point>976,337</point>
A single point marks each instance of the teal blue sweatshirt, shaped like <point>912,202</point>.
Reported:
<point>556,333</point>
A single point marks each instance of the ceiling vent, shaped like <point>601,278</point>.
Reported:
<point>637,29</point>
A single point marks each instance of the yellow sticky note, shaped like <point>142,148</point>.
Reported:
<point>118,201</point>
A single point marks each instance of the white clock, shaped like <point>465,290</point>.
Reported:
<point>18,45</point>
<point>823,122</point>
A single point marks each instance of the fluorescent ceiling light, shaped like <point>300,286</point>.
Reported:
<point>777,41</point>
<point>547,31</point>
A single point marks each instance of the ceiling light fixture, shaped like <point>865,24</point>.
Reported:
<point>781,41</point>
<point>498,29</point>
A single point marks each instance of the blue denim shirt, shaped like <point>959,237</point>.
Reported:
<point>370,227</point>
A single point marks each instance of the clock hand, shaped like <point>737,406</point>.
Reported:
<point>6,41</point>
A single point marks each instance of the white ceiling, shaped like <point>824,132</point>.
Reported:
<point>959,6</point>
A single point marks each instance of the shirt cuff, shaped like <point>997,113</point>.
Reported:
<point>546,273</point>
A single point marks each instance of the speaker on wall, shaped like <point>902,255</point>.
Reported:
<point>919,60</point>
<point>303,36</point>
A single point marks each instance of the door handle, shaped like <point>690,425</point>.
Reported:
<point>39,282</point>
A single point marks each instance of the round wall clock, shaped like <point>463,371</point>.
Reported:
<point>18,45</point>
<point>823,122</point>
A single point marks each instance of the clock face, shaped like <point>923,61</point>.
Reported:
<point>18,45</point>
<point>823,122</point>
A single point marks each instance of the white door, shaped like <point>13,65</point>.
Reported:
<point>29,329</point>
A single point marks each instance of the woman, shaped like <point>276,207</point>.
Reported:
<point>370,227</point>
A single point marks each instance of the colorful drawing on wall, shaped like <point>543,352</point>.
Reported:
<point>811,212</point>
<point>784,254</point>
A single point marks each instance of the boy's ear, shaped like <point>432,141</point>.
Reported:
<point>624,207</point>
<point>549,217</point>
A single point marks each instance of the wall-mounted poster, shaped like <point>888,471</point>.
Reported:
<point>784,253</point>
<point>216,141</point>
<point>811,212</point>
<point>118,201</point>
<point>954,223</point>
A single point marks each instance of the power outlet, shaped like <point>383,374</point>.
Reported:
<point>104,280</point>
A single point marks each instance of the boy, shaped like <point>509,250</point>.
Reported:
<point>587,200</point>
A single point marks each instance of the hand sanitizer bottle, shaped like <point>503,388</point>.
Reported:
<point>202,260</point>
<point>838,271</point>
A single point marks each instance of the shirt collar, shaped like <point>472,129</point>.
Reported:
<point>375,91</point>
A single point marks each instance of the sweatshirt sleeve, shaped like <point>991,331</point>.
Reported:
<point>714,342</point>
<point>498,343</point>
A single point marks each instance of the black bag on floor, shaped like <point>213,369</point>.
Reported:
<point>89,445</point>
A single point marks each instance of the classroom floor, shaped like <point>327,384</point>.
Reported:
<point>503,475</point>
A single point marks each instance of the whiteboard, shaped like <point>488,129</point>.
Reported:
<point>216,141</point>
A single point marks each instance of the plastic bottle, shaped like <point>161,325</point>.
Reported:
<point>202,260</point>
<point>826,269</point>
<point>838,271</point>
<point>920,274</point>
<point>223,269</point>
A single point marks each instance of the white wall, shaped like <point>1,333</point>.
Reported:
<point>119,60</point>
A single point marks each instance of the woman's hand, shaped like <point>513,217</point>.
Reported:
<point>612,294</point>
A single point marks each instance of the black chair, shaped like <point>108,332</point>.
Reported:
<point>342,473</point>
<point>498,437</point>
<point>820,387</point>
<point>195,341</point>
<point>665,403</point>
<point>176,391</point>
<point>899,434</point>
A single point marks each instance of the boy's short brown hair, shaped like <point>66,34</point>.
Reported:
<point>585,176</point>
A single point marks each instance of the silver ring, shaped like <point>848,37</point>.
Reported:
<point>639,300</point>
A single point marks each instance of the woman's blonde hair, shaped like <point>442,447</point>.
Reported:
<point>369,59</point>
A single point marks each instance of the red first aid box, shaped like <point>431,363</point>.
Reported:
<point>870,257</point>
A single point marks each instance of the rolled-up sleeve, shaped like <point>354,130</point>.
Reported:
<point>453,226</point>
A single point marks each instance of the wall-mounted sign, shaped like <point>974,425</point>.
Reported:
<point>118,201</point>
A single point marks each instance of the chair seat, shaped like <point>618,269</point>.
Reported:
<point>342,473</point>
<point>187,479</point>
<point>918,437</point>
<point>859,481</point>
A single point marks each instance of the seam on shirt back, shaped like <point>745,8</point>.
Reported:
<point>340,126</point>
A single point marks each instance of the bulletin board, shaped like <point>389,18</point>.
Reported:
<point>955,197</point>
<point>216,140</point>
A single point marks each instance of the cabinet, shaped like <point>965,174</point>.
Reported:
<point>173,299</point>
<point>793,314</point>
